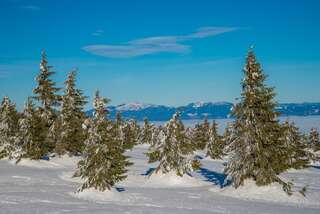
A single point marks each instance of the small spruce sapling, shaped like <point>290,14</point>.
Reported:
<point>32,132</point>
<point>314,141</point>
<point>215,145</point>
<point>174,151</point>
<point>201,135</point>
<point>8,129</point>
<point>104,163</point>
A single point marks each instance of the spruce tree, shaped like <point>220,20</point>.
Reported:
<point>145,136</point>
<point>131,131</point>
<point>71,118</point>
<point>128,131</point>
<point>314,140</point>
<point>201,135</point>
<point>149,133</point>
<point>8,128</point>
<point>104,163</point>
<point>256,149</point>
<point>46,92</point>
<point>174,150</point>
<point>295,143</point>
<point>227,137</point>
<point>215,145</point>
<point>32,132</point>
<point>119,121</point>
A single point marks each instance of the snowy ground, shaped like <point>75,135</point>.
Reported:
<point>47,187</point>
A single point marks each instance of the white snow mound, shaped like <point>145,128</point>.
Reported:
<point>68,176</point>
<point>54,163</point>
<point>40,164</point>
<point>97,196</point>
<point>272,193</point>
<point>172,180</point>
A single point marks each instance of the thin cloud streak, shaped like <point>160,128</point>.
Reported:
<point>154,45</point>
<point>98,33</point>
<point>31,7</point>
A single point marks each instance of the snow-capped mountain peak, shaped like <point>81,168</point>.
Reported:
<point>133,106</point>
<point>199,110</point>
<point>198,104</point>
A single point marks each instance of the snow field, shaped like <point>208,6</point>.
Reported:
<point>48,187</point>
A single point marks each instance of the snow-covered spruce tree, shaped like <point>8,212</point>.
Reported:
<point>201,135</point>
<point>104,163</point>
<point>119,121</point>
<point>256,148</point>
<point>131,131</point>
<point>46,94</point>
<point>71,118</point>
<point>127,131</point>
<point>215,145</point>
<point>227,137</point>
<point>148,133</point>
<point>8,128</point>
<point>32,133</point>
<point>314,141</point>
<point>174,150</point>
<point>296,147</point>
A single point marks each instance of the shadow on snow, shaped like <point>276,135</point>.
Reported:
<point>149,171</point>
<point>215,177</point>
<point>316,167</point>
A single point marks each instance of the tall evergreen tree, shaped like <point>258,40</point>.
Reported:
<point>8,128</point>
<point>201,134</point>
<point>72,117</point>
<point>215,145</point>
<point>174,150</point>
<point>32,133</point>
<point>46,92</point>
<point>256,149</point>
<point>104,163</point>
<point>314,140</point>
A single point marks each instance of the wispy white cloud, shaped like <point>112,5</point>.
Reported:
<point>210,31</point>
<point>153,45</point>
<point>98,33</point>
<point>31,7</point>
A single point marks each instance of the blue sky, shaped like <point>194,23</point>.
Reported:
<point>161,51</point>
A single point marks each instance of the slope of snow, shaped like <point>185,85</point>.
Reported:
<point>48,187</point>
<point>97,196</point>
<point>54,163</point>
<point>171,180</point>
<point>156,180</point>
<point>40,164</point>
<point>272,193</point>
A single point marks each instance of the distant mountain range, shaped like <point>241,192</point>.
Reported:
<point>200,110</point>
